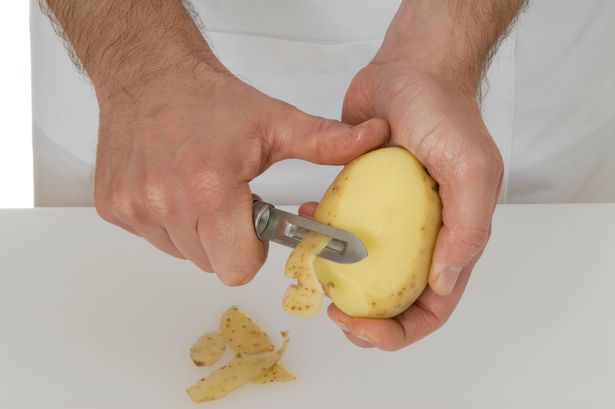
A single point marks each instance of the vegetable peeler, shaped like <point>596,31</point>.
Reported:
<point>289,229</point>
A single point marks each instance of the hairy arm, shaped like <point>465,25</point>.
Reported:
<point>180,137</point>
<point>119,43</point>
<point>453,39</point>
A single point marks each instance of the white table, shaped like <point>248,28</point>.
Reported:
<point>92,317</point>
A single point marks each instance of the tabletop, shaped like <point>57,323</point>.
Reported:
<point>93,317</point>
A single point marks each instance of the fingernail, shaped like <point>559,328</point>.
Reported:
<point>359,129</point>
<point>447,279</point>
<point>342,325</point>
<point>364,337</point>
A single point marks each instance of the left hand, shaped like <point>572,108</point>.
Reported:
<point>439,121</point>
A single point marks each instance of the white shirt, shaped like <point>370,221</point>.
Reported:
<point>550,104</point>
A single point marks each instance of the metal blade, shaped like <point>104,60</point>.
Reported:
<point>289,229</point>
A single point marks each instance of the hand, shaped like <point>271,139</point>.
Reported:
<point>440,123</point>
<point>175,157</point>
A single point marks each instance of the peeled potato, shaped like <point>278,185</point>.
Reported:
<point>389,201</point>
<point>208,349</point>
<point>241,370</point>
<point>245,337</point>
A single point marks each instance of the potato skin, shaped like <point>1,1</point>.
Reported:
<point>388,200</point>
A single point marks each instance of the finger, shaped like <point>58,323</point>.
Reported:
<point>343,321</point>
<point>425,316</point>
<point>308,209</point>
<point>108,214</point>
<point>469,197</point>
<point>415,323</point>
<point>158,237</point>
<point>357,341</point>
<point>226,230</point>
<point>386,334</point>
<point>129,217</point>
<point>432,311</point>
<point>187,241</point>
<point>119,223</point>
<point>325,141</point>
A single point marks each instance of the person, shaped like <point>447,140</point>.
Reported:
<point>190,114</point>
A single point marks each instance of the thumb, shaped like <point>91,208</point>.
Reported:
<point>325,141</point>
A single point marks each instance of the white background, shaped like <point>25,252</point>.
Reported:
<point>97,318</point>
<point>15,107</point>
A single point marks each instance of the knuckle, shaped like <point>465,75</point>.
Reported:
<point>122,205</point>
<point>157,199</point>
<point>432,320</point>
<point>496,163</point>
<point>476,237</point>
<point>103,208</point>
<point>101,200</point>
<point>486,165</point>
<point>434,324</point>
<point>104,212</point>
<point>115,207</point>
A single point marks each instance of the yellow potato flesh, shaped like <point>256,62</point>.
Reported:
<point>388,200</point>
<point>241,370</point>
<point>208,349</point>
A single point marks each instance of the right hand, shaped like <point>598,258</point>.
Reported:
<point>175,157</point>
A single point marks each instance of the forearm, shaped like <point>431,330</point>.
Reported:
<point>120,43</point>
<point>452,38</point>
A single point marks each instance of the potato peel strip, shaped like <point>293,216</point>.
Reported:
<point>305,298</point>
<point>208,349</point>
<point>241,370</point>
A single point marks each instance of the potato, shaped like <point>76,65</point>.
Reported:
<point>208,349</point>
<point>242,369</point>
<point>305,297</point>
<point>388,200</point>
<point>245,337</point>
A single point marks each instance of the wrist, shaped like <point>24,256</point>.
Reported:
<point>451,41</point>
<point>125,45</point>
<point>157,75</point>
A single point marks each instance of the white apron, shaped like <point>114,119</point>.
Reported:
<point>550,103</point>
